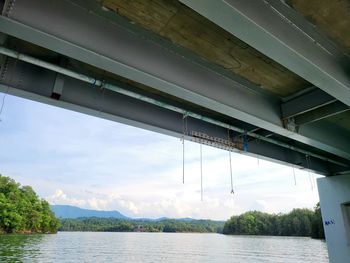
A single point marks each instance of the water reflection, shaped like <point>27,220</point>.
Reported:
<point>158,247</point>
<point>19,248</point>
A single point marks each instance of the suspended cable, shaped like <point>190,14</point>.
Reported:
<point>295,179</point>
<point>183,149</point>
<point>184,131</point>
<point>183,160</point>
<point>201,159</point>
<point>8,87</point>
<point>3,102</point>
<point>308,169</point>
<point>312,174</point>
<point>229,153</point>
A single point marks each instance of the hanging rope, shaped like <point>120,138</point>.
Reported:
<point>295,179</point>
<point>229,153</point>
<point>8,87</point>
<point>312,175</point>
<point>184,132</point>
<point>3,102</point>
<point>183,160</point>
<point>257,158</point>
<point>201,159</point>
<point>308,169</point>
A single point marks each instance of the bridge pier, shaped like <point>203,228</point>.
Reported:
<point>335,208</point>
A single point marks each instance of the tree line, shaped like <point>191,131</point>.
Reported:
<point>299,222</point>
<point>128,225</point>
<point>22,211</point>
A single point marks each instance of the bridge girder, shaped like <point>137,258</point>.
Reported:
<point>279,32</point>
<point>118,47</point>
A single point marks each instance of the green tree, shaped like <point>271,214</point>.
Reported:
<point>299,222</point>
<point>317,230</point>
<point>125,225</point>
<point>22,211</point>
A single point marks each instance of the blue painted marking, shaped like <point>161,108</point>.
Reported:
<point>329,222</point>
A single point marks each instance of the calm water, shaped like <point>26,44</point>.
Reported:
<point>158,247</point>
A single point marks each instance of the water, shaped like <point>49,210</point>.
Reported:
<point>158,247</point>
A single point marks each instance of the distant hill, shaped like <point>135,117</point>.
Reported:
<point>68,211</point>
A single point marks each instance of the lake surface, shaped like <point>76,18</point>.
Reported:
<point>158,247</point>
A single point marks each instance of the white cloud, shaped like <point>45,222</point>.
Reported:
<point>59,197</point>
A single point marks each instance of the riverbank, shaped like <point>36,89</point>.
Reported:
<point>27,232</point>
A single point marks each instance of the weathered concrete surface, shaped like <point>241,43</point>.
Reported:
<point>332,17</point>
<point>184,27</point>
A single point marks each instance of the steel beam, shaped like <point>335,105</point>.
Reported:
<point>270,27</point>
<point>82,34</point>
<point>312,106</point>
<point>306,102</point>
<point>321,113</point>
<point>34,83</point>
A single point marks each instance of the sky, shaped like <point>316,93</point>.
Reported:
<point>75,159</point>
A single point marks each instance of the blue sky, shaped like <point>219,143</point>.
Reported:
<point>71,158</point>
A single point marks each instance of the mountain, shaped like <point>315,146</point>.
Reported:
<point>68,211</point>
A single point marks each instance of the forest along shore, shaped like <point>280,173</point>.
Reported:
<point>298,222</point>
<point>22,211</point>
<point>130,225</point>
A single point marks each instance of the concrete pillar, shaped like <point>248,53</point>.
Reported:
<point>335,208</point>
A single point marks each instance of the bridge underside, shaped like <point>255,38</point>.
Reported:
<point>282,82</point>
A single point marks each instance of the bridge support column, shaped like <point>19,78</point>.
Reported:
<point>335,206</point>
